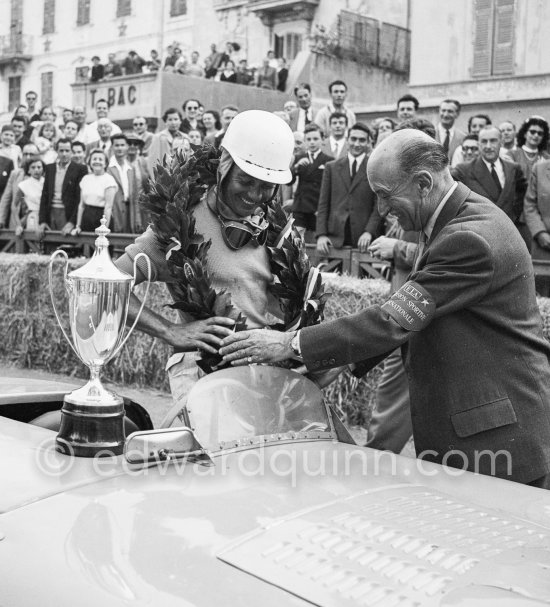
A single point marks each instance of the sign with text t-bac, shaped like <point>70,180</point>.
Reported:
<point>412,307</point>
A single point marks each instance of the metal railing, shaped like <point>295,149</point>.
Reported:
<point>15,46</point>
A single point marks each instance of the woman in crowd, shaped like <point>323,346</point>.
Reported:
<point>8,148</point>
<point>211,122</point>
<point>532,141</point>
<point>28,195</point>
<point>195,137</point>
<point>231,216</point>
<point>166,141</point>
<point>382,128</point>
<point>97,194</point>
<point>228,73</point>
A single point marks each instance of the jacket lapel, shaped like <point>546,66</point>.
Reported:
<point>450,210</point>
<point>360,175</point>
<point>343,171</point>
<point>485,179</point>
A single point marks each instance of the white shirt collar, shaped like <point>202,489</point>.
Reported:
<point>431,222</point>
<point>125,166</point>
<point>358,158</point>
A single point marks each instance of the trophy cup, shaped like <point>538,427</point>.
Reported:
<point>92,418</point>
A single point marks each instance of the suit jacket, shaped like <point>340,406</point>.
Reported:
<point>306,197</point>
<point>454,142</point>
<point>477,177</point>
<point>328,150</point>
<point>537,206</point>
<point>294,116</point>
<point>342,199</point>
<point>126,216</point>
<point>479,371</point>
<point>6,167</point>
<point>95,145</point>
<point>70,191</point>
<point>8,208</point>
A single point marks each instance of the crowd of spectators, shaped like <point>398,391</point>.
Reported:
<point>329,191</point>
<point>222,66</point>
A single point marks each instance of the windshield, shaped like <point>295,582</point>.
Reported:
<point>232,407</point>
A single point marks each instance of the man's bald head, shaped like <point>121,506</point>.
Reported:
<point>409,173</point>
<point>409,151</point>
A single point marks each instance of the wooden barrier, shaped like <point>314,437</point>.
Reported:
<point>345,261</point>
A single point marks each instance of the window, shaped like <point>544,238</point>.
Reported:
<point>14,94</point>
<point>287,45</point>
<point>178,7</point>
<point>49,17</point>
<point>124,8</point>
<point>46,91</point>
<point>83,12</point>
<point>494,38</point>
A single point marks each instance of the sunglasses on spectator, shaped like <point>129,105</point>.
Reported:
<point>470,148</point>
<point>535,132</point>
<point>139,123</point>
<point>192,107</point>
<point>237,234</point>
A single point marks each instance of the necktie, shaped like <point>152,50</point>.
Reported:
<point>103,146</point>
<point>422,240</point>
<point>495,178</point>
<point>353,169</point>
<point>447,140</point>
<point>308,120</point>
<point>335,150</point>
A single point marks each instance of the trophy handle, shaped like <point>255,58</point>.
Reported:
<point>50,279</point>
<point>142,302</point>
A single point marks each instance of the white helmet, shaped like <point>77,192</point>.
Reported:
<point>261,144</point>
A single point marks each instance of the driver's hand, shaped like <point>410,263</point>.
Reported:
<point>204,335</point>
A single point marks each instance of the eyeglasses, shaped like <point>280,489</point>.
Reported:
<point>192,107</point>
<point>237,234</point>
<point>139,123</point>
<point>470,148</point>
<point>535,132</point>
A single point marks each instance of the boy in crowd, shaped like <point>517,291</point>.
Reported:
<point>308,169</point>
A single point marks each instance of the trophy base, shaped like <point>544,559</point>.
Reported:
<point>92,423</point>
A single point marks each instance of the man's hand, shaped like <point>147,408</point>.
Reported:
<point>19,230</point>
<point>67,228</point>
<point>543,240</point>
<point>323,244</point>
<point>41,230</point>
<point>383,247</point>
<point>303,162</point>
<point>364,241</point>
<point>257,346</point>
<point>200,334</point>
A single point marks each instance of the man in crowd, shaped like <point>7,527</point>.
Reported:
<point>407,106</point>
<point>347,214</point>
<point>508,131</point>
<point>7,202</point>
<point>303,114</point>
<point>61,191</point>
<point>193,68</point>
<point>103,143</point>
<point>336,144</point>
<point>446,132</point>
<point>70,130</point>
<point>475,124</point>
<point>226,116</point>
<point>141,132</point>
<point>338,92</point>
<point>78,150</point>
<point>243,73</point>
<point>126,216</point>
<point>102,113</point>
<point>501,181</point>
<point>6,167</point>
<point>478,362</point>
<point>308,169</point>
<point>19,124</point>
<point>30,99</point>
<point>84,134</point>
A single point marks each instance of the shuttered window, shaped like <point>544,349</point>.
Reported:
<point>48,26</point>
<point>178,7</point>
<point>493,38</point>
<point>83,12</point>
<point>124,8</point>
<point>46,88</point>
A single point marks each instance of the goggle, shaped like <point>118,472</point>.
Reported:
<point>237,234</point>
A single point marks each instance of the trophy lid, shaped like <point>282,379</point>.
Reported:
<point>101,266</point>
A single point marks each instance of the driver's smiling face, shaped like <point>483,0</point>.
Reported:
<point>243,194</point>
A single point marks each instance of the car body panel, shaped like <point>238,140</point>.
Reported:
<point>189,534</point>
<point>27,389</point>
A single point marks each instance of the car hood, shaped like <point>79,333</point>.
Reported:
<point>306,523</point>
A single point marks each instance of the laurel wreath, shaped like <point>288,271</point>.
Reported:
<point>178,185</point>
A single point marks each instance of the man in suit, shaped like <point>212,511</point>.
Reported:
<point>303,114</point>
<point>126,215</point>
<point>501,181</point>
<point>446,132</point>
<point>338,92</point>
<point>104,143</point>
<point>477,360</point>
<point>8,209</point>
<point>308,168</point>
<point>61,191</point>
<point>347,214</point>
<point>6,167</point>
<point>336,144</point>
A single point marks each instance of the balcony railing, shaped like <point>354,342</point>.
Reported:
<point>15,47</point>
